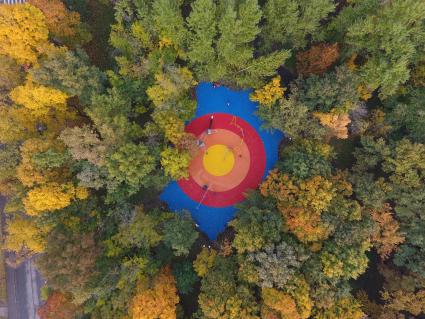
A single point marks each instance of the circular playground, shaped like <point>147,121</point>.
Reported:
<point>231,160</point>
<point>234,155</point>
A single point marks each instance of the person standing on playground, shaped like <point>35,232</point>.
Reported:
<point>209,131</point>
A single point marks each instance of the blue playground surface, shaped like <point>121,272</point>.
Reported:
<point>213,220</point>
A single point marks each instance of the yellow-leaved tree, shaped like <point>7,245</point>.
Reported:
<point>39,99</point>
<point>28,173</point>
<point>269,94</point>
<point>157,299</point>
<point>52,196</point>
<point>280,302</point>
<point>23,33</point>
<point>23,237</point>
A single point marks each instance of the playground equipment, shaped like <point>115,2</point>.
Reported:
<point>234,155</point>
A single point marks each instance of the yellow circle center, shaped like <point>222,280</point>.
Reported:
<point>218,160</point>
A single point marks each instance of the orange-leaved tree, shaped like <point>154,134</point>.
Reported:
<point>156,299</point>
<point>57,306</point>
<point>317,59</point>
<point>63,24</point>
<point>336,123</point>
<point>301,203</point>
<point>387,235</point>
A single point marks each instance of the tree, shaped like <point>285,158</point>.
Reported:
<point>24,238</point>
<point>344,261</point>
<point>63,25</point>
<point>171,92</point>
<point>336,123</point>
<point>279,265</point>
<point>23,33</point>
<point>84,144</point>
<point>10,74</point>
<point>39,99</point>
<point>9,160</point>
<point>255,228</point>
<point>288,23</point>
<point>344,308</point>
<point>179,233</point>
<point>335,90</point>
<point>51,197</point>
<point>405,115</point>
<point>57,306</point>
<point>29,173</point>
<point>317,59</point>
<point>169,23</point>
<point>132,164</point>
<point>238,28</point>
<point>142,231</point>
<point>280,302</point>
<point>269,94</point>
<point>185,277</point>
<point>69,262</point>
<point>306,159</point>
<point>175,163</point>
<point>157,299</point>
<point>202,27</point>
<point>291,116</point>
<point>222,296</point>
<point>204,261</point>
<point>71,73</point>
<point>387,236</point>
<point>389,37</point>
<point>301,204</point>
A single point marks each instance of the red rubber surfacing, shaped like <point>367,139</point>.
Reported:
<point>257,161</point>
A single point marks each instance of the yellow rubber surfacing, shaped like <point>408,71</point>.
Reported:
<point>218,160</point>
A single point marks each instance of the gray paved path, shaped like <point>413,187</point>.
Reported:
<point>23,288</point>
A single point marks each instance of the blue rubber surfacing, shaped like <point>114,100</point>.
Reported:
<point>213,220</point>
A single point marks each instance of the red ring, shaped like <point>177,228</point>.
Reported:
<point>257,156</point>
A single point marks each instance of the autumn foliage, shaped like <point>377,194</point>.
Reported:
<point>270,93</point>
<point>317,59</point>
<point>301,203</point>
<point>61,22</point>
<point>387,235</point>
<point>57,306</point>
<point>157,299</point>
<point>336,123</point>
<point>23,33</point>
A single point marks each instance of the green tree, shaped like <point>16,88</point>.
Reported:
<point>69,262</point>
<point>222,296</point>
<point>278,265</point>
<point>306,159</point>
<point>169,22</point>
<point>202,27</point>
<point>185,277</point>
<point>175,163</point>
<point>336,90</point>
<point>390,40</point>
<point>255,228</point>
<point>288,23</point>
<point>133,165</point>
<point>180,234</point>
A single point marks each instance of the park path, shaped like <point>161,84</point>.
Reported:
<point>23,287</point>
